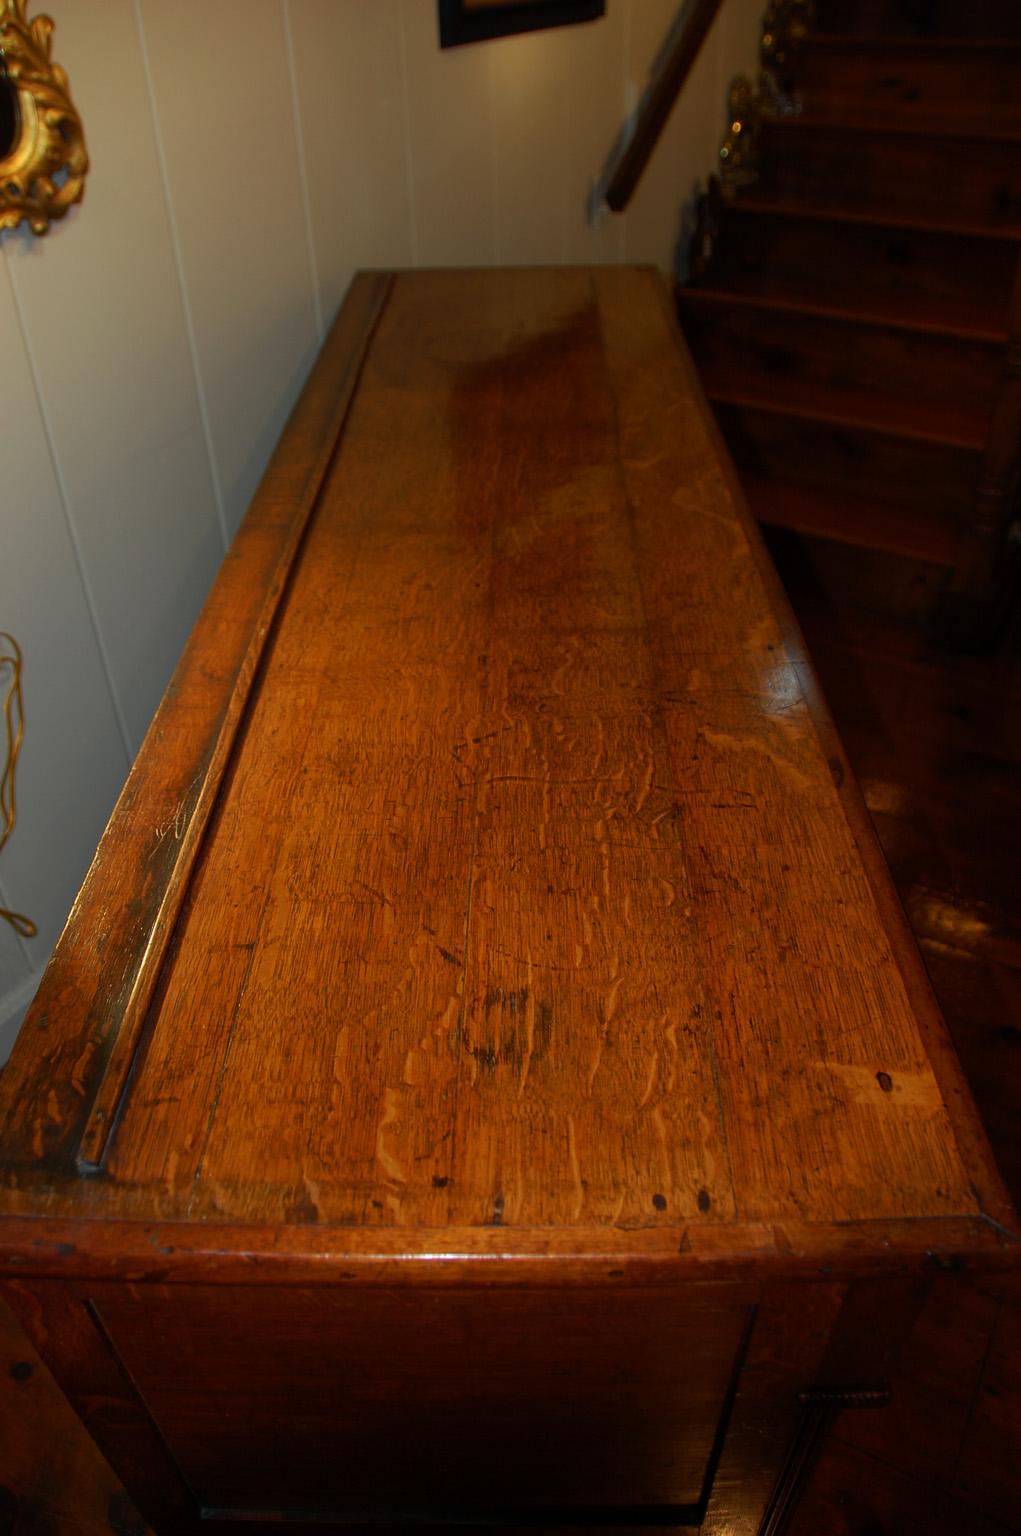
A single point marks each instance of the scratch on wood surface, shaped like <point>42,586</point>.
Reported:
<point>544,819</point>
<point>597,1056</point>
<point>607,1008</point>
<point>880,1088</point>
<point>715,509</point>
<point>178,823</point>
<point>783,765</point>
<point>604,855</point>
<point>610,1003</point>
<point>446,1025</point>
<point>670,1036</point>
<point>79,1072</point>
<point>712,1166</point>
<point>579,1184</point>
<point>391,1165</point>
<point>760,634</point>
<point>53,1117</point>
<point>415,1068</point>
<point>664,1138</point>
<point>529,1033</point>
<point>650,1081</point>
<point>645,784</point>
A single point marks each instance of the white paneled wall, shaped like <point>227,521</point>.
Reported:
<point>247,157</point>
<point>227,138</point>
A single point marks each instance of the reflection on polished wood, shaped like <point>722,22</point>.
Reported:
<point>489,1020</point>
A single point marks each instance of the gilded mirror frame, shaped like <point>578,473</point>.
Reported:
<point>44,164</point>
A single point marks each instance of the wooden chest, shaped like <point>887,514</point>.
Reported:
<point>486,1076</point>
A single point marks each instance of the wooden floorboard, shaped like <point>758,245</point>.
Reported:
<point>936,742</point>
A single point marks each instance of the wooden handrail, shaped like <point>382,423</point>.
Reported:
<point>679,53</point>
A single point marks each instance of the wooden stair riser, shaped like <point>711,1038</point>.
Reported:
<point>854,520</point>
<point>849,303</point>
<point>740,349</point>
<point>894,270</point>
<point>873,464</point>
<point>912,82</point>
<point>888,585</point>
<point>925,18</point>
<point>970,181</point>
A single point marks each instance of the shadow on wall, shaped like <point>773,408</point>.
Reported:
<point>16,1008</point>
<point>688,222</point>
<point>238,495</point>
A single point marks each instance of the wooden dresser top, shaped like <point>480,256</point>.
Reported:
<point>490,877</point>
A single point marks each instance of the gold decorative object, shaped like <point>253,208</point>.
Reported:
<point>784,26</point>
<point>14,725</point>
<point>737,152</point>
<point>43,160</point>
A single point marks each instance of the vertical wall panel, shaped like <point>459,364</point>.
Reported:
<point>16,969</point>
<point>740,28</point>
<point>555,98</point>
<point>648,235</point>
<point>225,118</point>
<point>72,760</point>
<point>702,120</point>
<point>595,105</point>
<point>676,172</point>
<point>105,323</point>
<point>530,78</point>
<point>450,117</point>
<point>17,996</point>
<point>351,100</point>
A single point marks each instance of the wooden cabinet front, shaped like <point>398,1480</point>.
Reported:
<point>319,1399</point>
<point>486,1075</point>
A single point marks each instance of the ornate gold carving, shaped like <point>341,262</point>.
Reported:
<point>737,152</point>
<point>784,26</point>
<point>43,170</point>
<point>14,724</point>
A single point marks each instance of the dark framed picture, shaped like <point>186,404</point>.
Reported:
<point>471,21</point>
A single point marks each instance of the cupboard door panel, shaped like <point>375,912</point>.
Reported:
<point>319,1399</point>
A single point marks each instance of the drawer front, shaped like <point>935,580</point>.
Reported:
<point>413,1402</point>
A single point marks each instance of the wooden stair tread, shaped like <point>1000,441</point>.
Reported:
<point>788,207</point>
<point>969,126</point>
<point>904,86</point>
<point>868,524</point>
<point>897,42</point>
<point>966,323</point>
<point>955,20</point>
<point>852,290</point>
<point>807,401</point>
<point>899,126</point>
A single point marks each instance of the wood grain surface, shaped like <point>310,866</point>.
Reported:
<point>532,898</point>
<point>934,740</point>
<point>487,1074</point>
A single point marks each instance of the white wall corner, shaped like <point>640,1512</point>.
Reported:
<point>13,1007</point>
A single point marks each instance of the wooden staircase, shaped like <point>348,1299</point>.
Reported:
<point>850,305</point>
